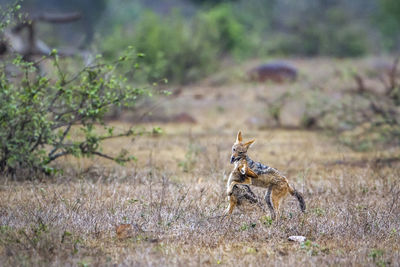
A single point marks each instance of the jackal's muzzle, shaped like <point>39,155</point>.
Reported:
<point>233,159</point>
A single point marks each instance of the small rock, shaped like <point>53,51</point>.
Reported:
<point>297,238</point>
<point>275,71</point>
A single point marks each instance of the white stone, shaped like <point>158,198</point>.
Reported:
<point>297,238</point>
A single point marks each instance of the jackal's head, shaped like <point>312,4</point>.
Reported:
<point>239,150</point>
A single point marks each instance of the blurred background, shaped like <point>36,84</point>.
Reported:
<point>185,40</point>
<point>314,64</point>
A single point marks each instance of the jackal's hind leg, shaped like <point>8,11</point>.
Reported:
<point>269,202</point>
<point>276,197</point>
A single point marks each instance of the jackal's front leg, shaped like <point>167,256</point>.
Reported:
<point>232,205</point>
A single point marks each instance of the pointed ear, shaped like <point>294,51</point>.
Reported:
<point>248,144</point>
<point>250,173</point>
<point>239,137</point>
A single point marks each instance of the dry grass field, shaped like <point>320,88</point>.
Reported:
<point>173,196</point>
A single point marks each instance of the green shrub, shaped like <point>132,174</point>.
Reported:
<point>388,21</point>
<point>219,26</point>
<point>172,49</point>
<point>38,112</point>
<point>283,44</point>
<point>177,48</point>
<point>337,34</point>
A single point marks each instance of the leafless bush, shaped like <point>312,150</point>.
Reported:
<point>361,115</point>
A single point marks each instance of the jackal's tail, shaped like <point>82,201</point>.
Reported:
<point>299,197</point>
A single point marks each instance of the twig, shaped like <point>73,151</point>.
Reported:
<point>392,75</point>
<point>164,182</point>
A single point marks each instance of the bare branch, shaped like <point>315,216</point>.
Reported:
<point>392,75</point>
<point>58,18</point>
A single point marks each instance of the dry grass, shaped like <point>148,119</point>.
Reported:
<point>174,196</point>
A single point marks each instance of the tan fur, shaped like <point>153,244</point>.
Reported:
<point>241,174</point>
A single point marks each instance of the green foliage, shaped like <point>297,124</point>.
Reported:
<point>266,220</point>
<point>391,8</point>
<point>311,248</point>
<point>211,2</point>
<point>377,256</point>
<point>38,112</point>
<point>7,14</point>
<point>177,49</point>
<point>246,226</point>
<point>333,36</point>
<point>388,20</point>
<point>219,26</point>
<point>170,48</point>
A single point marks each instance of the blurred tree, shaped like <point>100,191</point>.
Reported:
<point>211,2</point>
<point>389,22</point>
<point>91,11</point>
<point>222,27</point>
<point>318,27</point>
<point>391,8</point>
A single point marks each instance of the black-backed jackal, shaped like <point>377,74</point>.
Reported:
<point>247,171</point>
